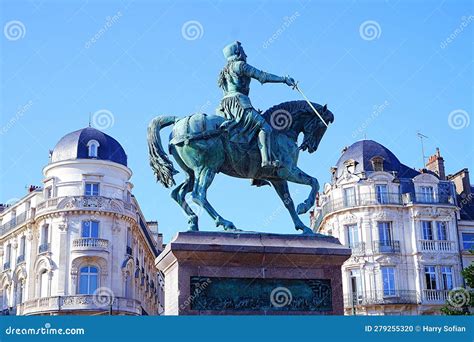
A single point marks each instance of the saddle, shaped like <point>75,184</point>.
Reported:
<point>196,126</point>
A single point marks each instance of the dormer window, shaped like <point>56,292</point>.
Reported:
<point>350,165</point>
<point>377,163</point>
<point>93,146</point>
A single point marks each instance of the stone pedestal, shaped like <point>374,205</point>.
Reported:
<point>252,273</point>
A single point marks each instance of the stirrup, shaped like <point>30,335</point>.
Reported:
<point>274,163</point>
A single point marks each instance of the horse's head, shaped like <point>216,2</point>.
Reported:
<point>314,129</point>
<point>295,117</point>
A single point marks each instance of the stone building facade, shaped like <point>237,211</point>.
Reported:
<point>79,244</point>
<point>402,227</point>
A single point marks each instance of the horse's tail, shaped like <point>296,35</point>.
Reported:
<point>160,163</point>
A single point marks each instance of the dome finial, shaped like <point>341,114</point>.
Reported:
<point>90,116</point>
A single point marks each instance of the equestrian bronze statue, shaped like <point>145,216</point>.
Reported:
<point>240,141</point>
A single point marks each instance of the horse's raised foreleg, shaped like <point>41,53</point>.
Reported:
<point>300,177</point>
<point>199,195</point>
<point>281,187</point>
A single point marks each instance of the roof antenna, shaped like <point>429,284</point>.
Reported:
<point>421,136</point>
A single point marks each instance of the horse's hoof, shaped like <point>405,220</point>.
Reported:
<point>227,225</point>
<point>307,231</point>
<point>193,224</point>
<point>302,208</point>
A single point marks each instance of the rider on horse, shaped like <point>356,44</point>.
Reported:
<point>236,108</point>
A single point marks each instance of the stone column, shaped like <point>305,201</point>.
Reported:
<point>32,235</point>
<point>64,250</point>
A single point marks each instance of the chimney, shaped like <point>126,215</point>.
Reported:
<point>461,182</point>
<point>436,164</point>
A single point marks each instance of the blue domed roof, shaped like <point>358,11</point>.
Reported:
<point>74,146</point>
<point>362,153</point>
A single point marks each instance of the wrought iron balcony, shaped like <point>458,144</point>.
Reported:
<point>94,243</point>
<point>381,297</point>
<point>6,266</point>
<point>423,198</point>
<point>437,246</point>
<point>380,199</point>
<point>43,248</point>
<point>385,246</point>
<point>358,201</point>
<point>363,200</point>
<point>20,259</point>
<point>129,250</point>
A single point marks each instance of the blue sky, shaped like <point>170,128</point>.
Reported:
<point>386,69</point>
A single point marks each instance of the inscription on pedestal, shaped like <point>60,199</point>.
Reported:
<point>255,294</point>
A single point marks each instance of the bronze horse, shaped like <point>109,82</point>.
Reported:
<point>202,149</point>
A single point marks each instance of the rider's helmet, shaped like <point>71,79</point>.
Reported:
<point>234,52</point>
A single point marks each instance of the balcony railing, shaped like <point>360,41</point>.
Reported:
<point>435,296</point>
<point>58,304</point>
<point>437,246</point>
<point>6,266</point>
<point>358,248</point>
<point>13,223</point>
<point>378,200</point>
<point>87,202</point>
<point>20,259</point>
<point>386,246</point>
<point>382,297</point>
<point>43,248</point>
<point>424,198</point>
<point>90,243</point>
<point>52,202</point>
<point>362,200</point>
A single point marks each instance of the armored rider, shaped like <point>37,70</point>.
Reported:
<point>235,106</point>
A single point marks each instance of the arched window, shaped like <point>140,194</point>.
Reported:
<point>4,298</point>
<point>43,288</point>
<point>88,280</point>
<point>19,289</point>
<point>93,146</point>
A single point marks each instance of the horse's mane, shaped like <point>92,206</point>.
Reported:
<point>284,115</point>
<point>293,107</point>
